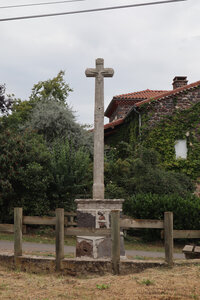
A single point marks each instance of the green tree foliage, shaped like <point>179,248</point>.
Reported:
<point>5,102</point>
<point>54,120</point>
<point>141,173</point>
<point>71,173</point>
<point>24,176</point>
<point>183,124</point>
<point>52,89</point>
<point>44,157</point>
<point>20,113</point>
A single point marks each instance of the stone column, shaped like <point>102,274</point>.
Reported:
<point>96,212</point>
<point>98,170</point>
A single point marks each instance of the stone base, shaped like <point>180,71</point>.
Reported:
<point>97,247</point>
<point>96,213</point>
<point>191,252</point>
<point>75,267</point>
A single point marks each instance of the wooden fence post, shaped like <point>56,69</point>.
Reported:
<point>17,232</point>
<point>169,239</point>
<point>115,237</point>
<point>59,237</point>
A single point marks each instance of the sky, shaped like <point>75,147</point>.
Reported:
<point>146,46</point>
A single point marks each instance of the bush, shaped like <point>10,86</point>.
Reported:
<point>24,174</point>
<point>151,206</point>
<point>142,173</point>
<point>71,173</point>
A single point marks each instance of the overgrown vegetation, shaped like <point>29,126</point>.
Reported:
<point>46,159</point>
<point>152,206</point>
<point>129,173</point>
<point>45,155</point>
<point>183,124</point>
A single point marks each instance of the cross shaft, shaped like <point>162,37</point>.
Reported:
<point>98,169</point>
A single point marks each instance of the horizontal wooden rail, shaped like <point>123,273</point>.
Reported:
<point>35,220</point>
<point>67,213</point>
<point>7,228</point>
<point>186,234</point>
<point>10,228</point>
<point>87,231</point>
<point>29,220</point>
<point>141,223</point>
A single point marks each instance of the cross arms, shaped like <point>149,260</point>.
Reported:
<point>107,72</point>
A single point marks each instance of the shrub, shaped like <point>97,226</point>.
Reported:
<point>151,206</point>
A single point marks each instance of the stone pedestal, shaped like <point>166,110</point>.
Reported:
<point>96,213</point>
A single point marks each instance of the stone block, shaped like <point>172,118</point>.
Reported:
<point>85,219</point>
<point>84,247</point>
<point>96,213</point>
<point>188,248</point>
<point>197,249</point>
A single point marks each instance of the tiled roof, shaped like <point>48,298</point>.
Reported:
<point>131,99</point>
<point>140,95</point>
<point>148,96</point>
<point>170,93</point>
<point>113,123</point>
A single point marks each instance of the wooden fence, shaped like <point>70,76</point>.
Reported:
<point>69,221</point>
<point>64,227</point>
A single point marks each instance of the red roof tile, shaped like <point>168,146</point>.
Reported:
<point>170,93</point>
<point>113,123</point>
<point>140,95</point>
<point>130,99</point>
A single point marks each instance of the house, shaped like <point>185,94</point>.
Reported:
<point>168,121</point>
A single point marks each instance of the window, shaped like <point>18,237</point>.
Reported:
<point>181,149</point>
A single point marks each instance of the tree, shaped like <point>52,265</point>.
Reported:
<point>24,173</point>
<point>5,103</point>
<point>72,175</point>
<point>56,121</point>
<point>141,173</point>
<point>52,89</point>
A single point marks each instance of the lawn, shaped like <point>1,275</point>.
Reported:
<point>181,282</point>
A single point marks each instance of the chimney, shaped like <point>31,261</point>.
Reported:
<point>179,81</point>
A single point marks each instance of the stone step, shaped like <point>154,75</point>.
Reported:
<point>191,251</point>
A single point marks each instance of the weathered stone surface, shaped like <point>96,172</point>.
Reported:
<point>91,204</point>
<point>84,248</point>
<point>122,249</point>
<point>85,219</point>
<point>98,211</point>
<point>197,249</point>
<point>158,110</point>
<point>75,267</point>
<point>98,167</point>
<point>104,248</point>
<point>188,248</point>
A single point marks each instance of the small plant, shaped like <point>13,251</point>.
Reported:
<point>3,286</point>
<point>194,296</point>
<point>103,286</point>
<point>139,257</point>
<point>147,282</point>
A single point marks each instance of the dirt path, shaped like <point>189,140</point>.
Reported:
<point>37,247</point>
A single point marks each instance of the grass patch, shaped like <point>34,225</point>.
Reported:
<point>103,286</point>
<point>131,243</point>
<point>38,238</point>
<point>147,282</point>
<point>135,243</point>
<point>180,282</point>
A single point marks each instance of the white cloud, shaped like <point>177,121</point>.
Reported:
<point>146,46</point>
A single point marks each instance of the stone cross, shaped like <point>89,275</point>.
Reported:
<point>98,170</point>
